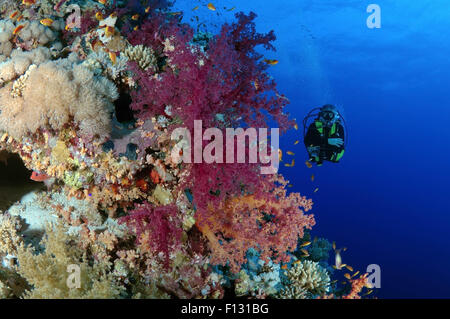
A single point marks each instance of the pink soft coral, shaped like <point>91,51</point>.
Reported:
<point>157,228</point>
<point>227,78</point>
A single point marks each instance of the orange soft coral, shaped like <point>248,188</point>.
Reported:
<point>357,286</point>
<point>270,222</point>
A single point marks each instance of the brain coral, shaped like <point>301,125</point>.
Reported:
<point>55,93</point>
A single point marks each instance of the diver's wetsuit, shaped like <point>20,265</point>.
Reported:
<point>318,135</point>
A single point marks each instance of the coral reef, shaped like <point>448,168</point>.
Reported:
<point>89,105</point>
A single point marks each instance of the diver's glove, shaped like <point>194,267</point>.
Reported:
<point>338,142</point>
<point>313,152</point>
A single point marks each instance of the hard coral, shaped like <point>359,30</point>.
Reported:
<point>307,276</point>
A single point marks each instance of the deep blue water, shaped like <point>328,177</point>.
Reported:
<point>387,201</point>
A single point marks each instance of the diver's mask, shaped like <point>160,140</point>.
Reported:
<point>328,117</point>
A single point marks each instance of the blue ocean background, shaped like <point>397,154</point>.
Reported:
<point>388,199</point>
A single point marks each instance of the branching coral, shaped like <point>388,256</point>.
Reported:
<point>306,276</point>
<point>144,56</point>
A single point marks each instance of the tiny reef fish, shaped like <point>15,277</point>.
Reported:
<point>13,15</point>
<point>28,2</point>
<point>271,62</point>
<point>47,22</point>
<point>17,29</point>
<point>39,177</point>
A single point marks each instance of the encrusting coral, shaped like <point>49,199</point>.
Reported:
<point>89,105</point>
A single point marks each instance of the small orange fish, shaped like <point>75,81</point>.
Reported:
<point>355,274</point>
<point>99,16</point>
<point>136,28</point>
<point>103,1</point>
<point>290,153</point>
<point>316,190</point>
<point>20,18</point>
<point>196,8</point>
<point>113,15</point>
<point>280,155</point>
<point>135,17</point>
<point>17,29</point>
<point>28,2</point>
<point>305,244</point>
<point>290,165</point>
<point>296,142</point>
<point>47,22</point>
<point>349,267</point>
<point>39,177</point>
<point>211,7</point>
<point>147,10</point>
<point>312,178</point>
<point>308,164</point>
<point>296,126</point>
<point>284,267</point>
<point>176,13</point>
<point>112,57</point>
<point>304,251</point>
<point>109,31</point>
<point>347,276</point>
<point>14,14</point>
<point>232,9</point>
<point>271,62</point>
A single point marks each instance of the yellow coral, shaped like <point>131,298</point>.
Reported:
<point>60,153</point>
<point>48,273</point>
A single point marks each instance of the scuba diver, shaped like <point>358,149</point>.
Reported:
<point>325,138</point>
